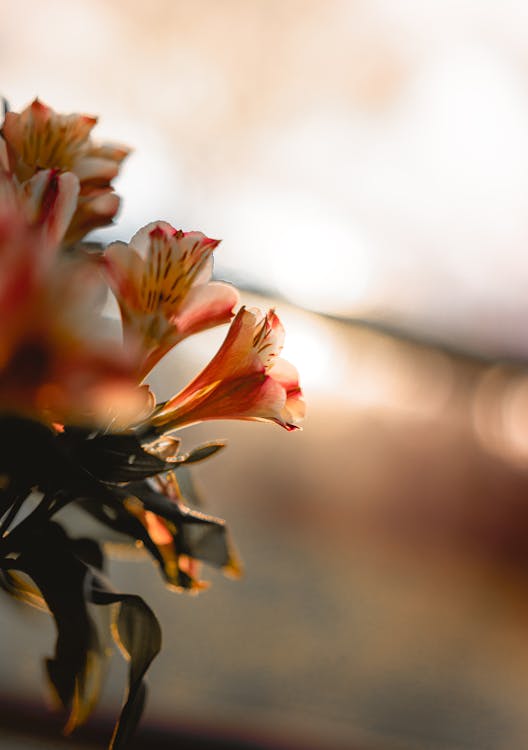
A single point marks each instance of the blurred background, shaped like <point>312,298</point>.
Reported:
<point>366,164</point>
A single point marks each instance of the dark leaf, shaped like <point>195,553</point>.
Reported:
<point>88,551</point>
<point>188,487</point>
<point>200,453</point>
<point>120,520</point>
<point>138,634</point>
<point>200,536</point>
<point>75,670</point>
<point>28,450</point>
<point>17,586</point>
<point>113,458</point>
<point>35,456</point>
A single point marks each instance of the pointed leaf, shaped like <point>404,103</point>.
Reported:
<point>138,634</point>
<point>201,452</point>
<point>120,520</point>
<point>113,458</point>
<point>198,535</point>
<point>75,669</point>
<point>189,488</point>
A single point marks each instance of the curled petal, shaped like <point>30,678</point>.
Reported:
<point>294,409</point>
<point>95,210</point>
<point>110,151</point>
<point>206,305</point>
<point>96,170</point>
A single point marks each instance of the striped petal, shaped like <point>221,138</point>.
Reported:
<point>161,282</point>
<point>245,380</point>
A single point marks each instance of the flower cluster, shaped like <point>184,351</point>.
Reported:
<point>79,425</point>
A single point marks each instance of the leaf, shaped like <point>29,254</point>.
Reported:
<point>200,536</point>
<point>112,458</point>
<point>138,634</point>
<point>75,670</point>
<point>191,493</point>
<point>116,517</point>
<point>19,588</point>
<point>37,457</point>
<point>200,453</point>
<point>65,581</point>
<point>28,450</point>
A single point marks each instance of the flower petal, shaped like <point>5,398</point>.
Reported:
<point>96,170</point>
<point>206,306</point>
<point>93,211</point>
<point>50,200</point>
<point>163,291</point>
<point>245,380</point>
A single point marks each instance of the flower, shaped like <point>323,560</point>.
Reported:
<point>47,201</point>
<point>245,380</point>
<point>77,428</point>
<point>40,138</point>
<point>50,370</point>
<point>33,218</point>
<point>161,281</point>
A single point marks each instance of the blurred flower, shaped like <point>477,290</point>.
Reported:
<point>33,218</point>
<point>161,281</point>
<point>47,201</point>
<point>39,138</point>
<point>50,369</point>
<point>245,380</point>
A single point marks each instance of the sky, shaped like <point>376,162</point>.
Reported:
<point>362,159</point>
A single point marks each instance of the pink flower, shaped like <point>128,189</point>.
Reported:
<point>161,281</point>
<point>39,138</point>
<point>47,201</point>
<point>245,380</point>
<point>51,367</point>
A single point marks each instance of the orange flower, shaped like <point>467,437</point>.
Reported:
<point>33,218</point>
<point>39,138</point>
<point>161,281</point>
<point>49,368</point>
<point>245,380</point>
